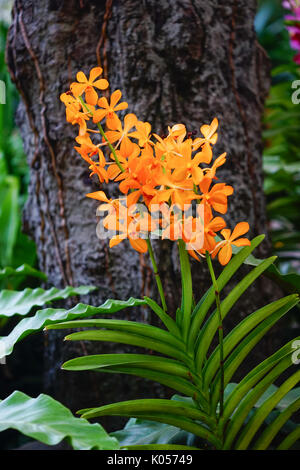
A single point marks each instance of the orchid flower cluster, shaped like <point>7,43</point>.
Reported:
<point>293,25</point>
<point>165,174</point>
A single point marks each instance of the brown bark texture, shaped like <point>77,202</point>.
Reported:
<point>175,61</point>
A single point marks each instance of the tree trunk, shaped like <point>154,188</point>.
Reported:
<point>175,61</point>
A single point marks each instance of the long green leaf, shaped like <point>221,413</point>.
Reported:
<point>48,421</point>
<point>249,401</point>
<point>179,384</point>
<point>210,327</point>
<point>125,326</point>
<point>24,270</point>
<point>148,406</point>
<point>179,420</point>
<point>151,362</point>
<point>208,299</point>
<point>21,302</point>
<point>128,338</point>
<point>240,331</point>
<point>264,410</point>
<point>165,318</point>
<point>272,430</point>
<point>50,316</point>
<point>244,348</point>
<point>293,437</point>
<point>252,378</point>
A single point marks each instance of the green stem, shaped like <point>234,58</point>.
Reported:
<point>156,275</point>
<point>103,135</point>
<point>220,329</point>
<point>187,288</point>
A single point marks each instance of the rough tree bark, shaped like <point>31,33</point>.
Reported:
<point>175,61</point>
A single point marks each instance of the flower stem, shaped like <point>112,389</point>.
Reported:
<point>220,329</point>
<point>103,135</point>
<point>156,275</point>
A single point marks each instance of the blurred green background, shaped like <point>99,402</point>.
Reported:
<point>15,247</point>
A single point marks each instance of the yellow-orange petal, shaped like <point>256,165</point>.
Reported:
<point>112,120</point>
<point>217,224</point>
<point>112,136</point>
<point>103,103</point>
<point>91,96</point>
<point>240,229</point>
<point>115,97</point>
<point>226,233</point>
<point>139,244</point>
<point>116,240</point>
<point>99,115</point>
<point>193,254</point>
<point>130,120</point>
<point>99,195</point>
<point>242,242</point>
<point>94,73</point>
<point>80,77</point>
<point>102,84</point>
<point>206,153</point>
<point>121,106</point>
<point>77,88</point>
<point>225,254</point>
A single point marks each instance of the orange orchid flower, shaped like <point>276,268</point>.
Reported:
<point>172,171</point>
<point>217,196</point>
<point>108,110</point>
<point>127,152</point>
<point>119,132</point>
<point>142,133</point>
<point>87,85</point>
<point>225,252</point>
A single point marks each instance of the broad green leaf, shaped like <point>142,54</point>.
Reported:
<point>50,316</point>
<point>24,270</point>
<point>48,421</point>
<point>143,432</point>
<point>21,302</point>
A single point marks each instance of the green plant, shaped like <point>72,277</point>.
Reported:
<point>188,366</point>
<point>15,247</point>
<point>41,418</point>
<point>281,138</point>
